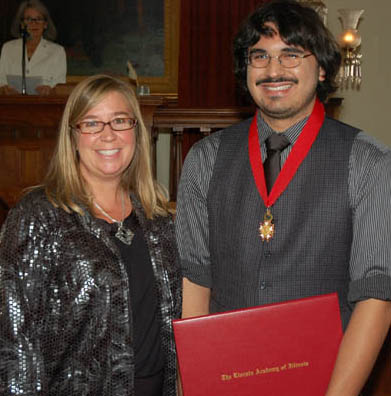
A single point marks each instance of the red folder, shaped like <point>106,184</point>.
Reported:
<point>278,349</point>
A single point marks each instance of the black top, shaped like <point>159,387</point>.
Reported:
<point>149,359</point>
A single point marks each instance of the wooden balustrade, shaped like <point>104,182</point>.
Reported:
<point>189,125</point>
<point>28,130</point>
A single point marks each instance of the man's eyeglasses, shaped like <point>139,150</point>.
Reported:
<point>34,20</point>
<point>117,124</point>
<point>261,59</point>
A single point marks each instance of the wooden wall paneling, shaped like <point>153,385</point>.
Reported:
<point>23,164</point>
<point>28,129</point>
<point>10,170</point>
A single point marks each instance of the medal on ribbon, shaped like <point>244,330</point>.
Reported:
<point>266,228</point>
<point>299,151</point>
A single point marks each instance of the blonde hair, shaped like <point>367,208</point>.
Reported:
<point>50,32</point>
<point>64,185</point>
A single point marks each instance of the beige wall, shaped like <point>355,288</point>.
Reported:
<point>370,107</point>
<point>163,159</point>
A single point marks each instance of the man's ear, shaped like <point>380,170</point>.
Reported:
<point>322,74</point>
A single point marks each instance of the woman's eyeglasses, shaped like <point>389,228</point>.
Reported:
<point>34,20</point>
<point>117,124</point>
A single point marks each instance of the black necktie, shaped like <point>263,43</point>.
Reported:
<point>274,145</point>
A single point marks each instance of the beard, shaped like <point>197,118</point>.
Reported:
<point>275,107</point>
<point>280,111</point>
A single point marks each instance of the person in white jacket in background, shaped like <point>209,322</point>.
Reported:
<point>44,58</point>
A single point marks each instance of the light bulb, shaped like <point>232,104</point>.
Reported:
<point>349,38</point>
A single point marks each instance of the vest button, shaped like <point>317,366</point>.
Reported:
<point>263,285</point>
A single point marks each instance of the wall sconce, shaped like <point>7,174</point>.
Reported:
<point>350,40</point>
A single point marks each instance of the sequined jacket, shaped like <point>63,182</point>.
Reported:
<point>65,322</point>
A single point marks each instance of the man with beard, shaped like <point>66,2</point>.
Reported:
<point>250,234</point>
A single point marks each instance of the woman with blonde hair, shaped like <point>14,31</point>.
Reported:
<point>88,264</point>
<point>45,60</point>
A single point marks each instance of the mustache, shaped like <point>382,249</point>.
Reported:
<point>276,80</point>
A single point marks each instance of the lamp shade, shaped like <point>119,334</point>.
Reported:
<point>349,38</point>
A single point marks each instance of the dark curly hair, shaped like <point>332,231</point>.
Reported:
<point>297,25</point>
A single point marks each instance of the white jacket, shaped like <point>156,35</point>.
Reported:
<point>48,61</point>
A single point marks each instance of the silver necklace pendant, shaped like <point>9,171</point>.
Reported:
<point>124,234</point>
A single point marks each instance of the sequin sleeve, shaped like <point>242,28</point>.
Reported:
<point>25,260</point>
<point>65,324</point>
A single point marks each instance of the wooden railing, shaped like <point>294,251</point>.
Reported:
<point>189,125</point>
<point>28,130</point>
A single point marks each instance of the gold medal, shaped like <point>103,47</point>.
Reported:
<point>266,228</point>
<point>296,156</point>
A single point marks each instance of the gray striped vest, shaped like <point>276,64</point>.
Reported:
<point>309,254</point>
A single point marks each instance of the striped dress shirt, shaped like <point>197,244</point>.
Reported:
<point>369,186</point>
